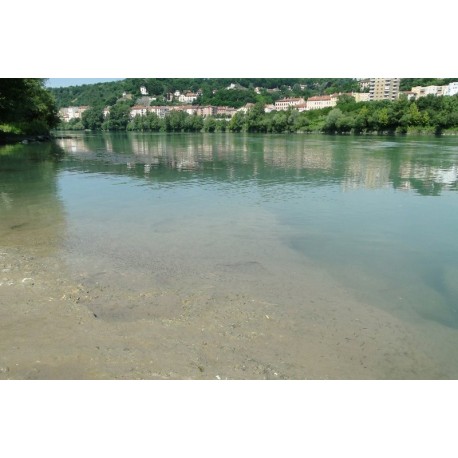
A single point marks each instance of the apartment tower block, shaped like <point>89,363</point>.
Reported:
<point>384,88</point>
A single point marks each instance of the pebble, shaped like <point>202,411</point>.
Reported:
<point>27,281</point>
<point>4,370</point>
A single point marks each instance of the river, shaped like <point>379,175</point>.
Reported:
<point>213,256</point>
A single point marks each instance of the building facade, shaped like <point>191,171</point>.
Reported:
<point>189,97</point>
<point>69,113</point>
<point>452,89</point>
<point>284,104</point>
<point>321,101</point>
<point>384,88</point>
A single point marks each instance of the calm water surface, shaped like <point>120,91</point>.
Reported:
<point>376,215</point>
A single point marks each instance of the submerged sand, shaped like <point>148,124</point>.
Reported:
<point>238,320</point>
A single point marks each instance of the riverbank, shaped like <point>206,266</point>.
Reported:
<point>10,139</point>
<point>410,132</point>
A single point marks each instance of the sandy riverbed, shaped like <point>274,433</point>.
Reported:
<point>56,324</point>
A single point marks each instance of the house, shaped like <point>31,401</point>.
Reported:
<point>452,89</point>
<point>419,91</point>
<point>143,90</point>
<point>360,96</point>
<point>69,113</point>
<point>423,91</point>
<point>138,110</point>
<point>321,101</point>
<point>188,97</point>
<point>206,111</point>
<point>284,104</point>
<point>225,111</point>
<point>435,90</point>
<point>364,83</point>
<point>160,111</point>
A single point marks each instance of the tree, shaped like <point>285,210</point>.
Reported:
<point>92,118</point>
<point>27,104</point>
<point>209,124</point>
<point>334,116</point>
<point>119,117</point>
<point>254,118</point>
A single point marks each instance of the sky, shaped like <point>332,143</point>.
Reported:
<point>64,82</point>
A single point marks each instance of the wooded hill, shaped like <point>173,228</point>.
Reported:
<point>214,90</point>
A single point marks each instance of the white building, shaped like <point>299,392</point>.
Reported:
<point>69,113</point>
<point>284,104</point>
<point>189,97</point>
<point>452,89</point>
<point>360,96</point>
<point>435,90</point>
<point>321,101</point>
<point>138,110</point>
<point>160,111</point>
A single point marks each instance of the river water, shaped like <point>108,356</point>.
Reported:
<point>229,256</point>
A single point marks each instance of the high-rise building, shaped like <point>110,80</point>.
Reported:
<point>384,88</point>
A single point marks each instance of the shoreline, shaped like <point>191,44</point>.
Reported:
<point>65,134</point>
<point>24,139</point>
<point>343,134</point>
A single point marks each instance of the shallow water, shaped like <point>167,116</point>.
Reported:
<point>318,234</point>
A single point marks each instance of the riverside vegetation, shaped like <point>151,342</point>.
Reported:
<point>27,109</point>
<point>430,114</point>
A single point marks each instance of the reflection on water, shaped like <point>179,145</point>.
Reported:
<point>426,166</point>
<point>378,243</point>
<point>31,214</point>
<point>283,219</point>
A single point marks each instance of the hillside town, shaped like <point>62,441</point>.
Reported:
<point>372,89</point>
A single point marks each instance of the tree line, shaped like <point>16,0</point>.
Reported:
<point>428,114</point>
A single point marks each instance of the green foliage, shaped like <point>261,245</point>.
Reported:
<point>92,118</point>
<point>214,90</point>
<point>407,83</point>
<point>235,98</point>
<point>27,106</point>
<point>427,114</point>
<point>119,117</point>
